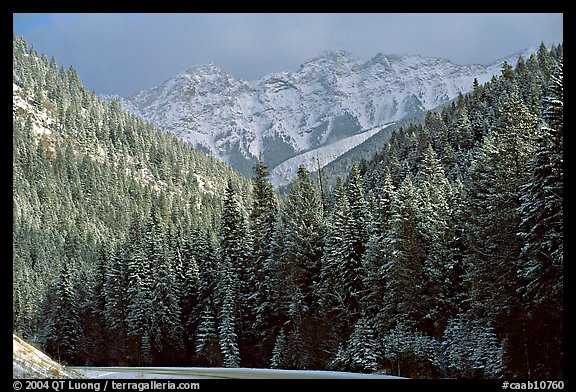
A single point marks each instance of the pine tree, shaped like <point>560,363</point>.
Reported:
<point>477,113</point>
<point>471,349</point>
<point>544,61</point>
<point>206,333</point>
<point>329,292</point>
<point>493,225</point>
<point>207,337</point>
<point>409,351</point>
<point>259,296</point>
<point>362,348</point>
<point>116,301</point>
<point>341,273</point>
<point>277,360</point>
<point>189,281</point>
<point>437,127</point>
<point>462,128</point>
<point>233,233</point>
<point>350,272</point>
<point>403,269</point>
<point>204,254</point>
<point>25,309</point>
<point>93,310</point>
<point>65,334</point>
<point>297,269</point>
<point>434,216</point>
<point>227,326</point>
<point>233,259</point>
<point>138,318</point>
<point>540,267</point>
<point>166,334</point>
<point>375,256</point>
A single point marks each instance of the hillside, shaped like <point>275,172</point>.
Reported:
<point>84,174</point>
<point>29,362</point>
<point>439,257</point>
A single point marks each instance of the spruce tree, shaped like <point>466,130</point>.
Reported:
<point>233,261</point>
<point>277,360</point>
<point>207,337</point>
<point>540,266</point>
<point>494,198</point>
<point>139,296</point>
<point>298,269</point>
<point>362,348</point>
<point>166,334</point>
<point>350,271</point>
<point>434,217</point>
<point>65,335</point>
<point>375,256</point>
<point>94,343</point>
<point>259,294</point>
<point>472,349</point>
<point>116,285</point>
<point>228,321</point>
<point>329,291</point>
<point>206,333</point>
<point>403,269</point>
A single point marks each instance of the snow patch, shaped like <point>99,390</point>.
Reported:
<point>282,174</point>
<point>28,362</point>
<point>232,373</point>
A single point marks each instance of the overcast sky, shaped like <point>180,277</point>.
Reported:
<point>125,53</point>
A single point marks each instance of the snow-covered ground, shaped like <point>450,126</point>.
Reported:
<point>142,374</point>
<point>28,362</point>
<point>216,373</point>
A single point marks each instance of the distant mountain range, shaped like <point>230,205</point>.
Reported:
<point>331,104</point>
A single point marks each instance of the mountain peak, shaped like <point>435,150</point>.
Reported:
<point>336,54</point>
<point>332,56</point>
<point>333,96</point>
<point>380,58</point>
<point>205,69</point>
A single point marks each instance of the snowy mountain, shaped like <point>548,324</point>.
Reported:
<point>329,98</point>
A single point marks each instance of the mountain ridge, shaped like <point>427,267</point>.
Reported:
<point>331,97</point>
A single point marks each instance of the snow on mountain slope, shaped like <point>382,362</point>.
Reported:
<point>282,174</point>
<point>45,126</point>
<point>41,120</point>
<point>329,98</point>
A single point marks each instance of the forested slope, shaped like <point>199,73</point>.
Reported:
<point>90,182</point>
<point>440,257</point>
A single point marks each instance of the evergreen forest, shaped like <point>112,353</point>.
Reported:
<point>441,257</point>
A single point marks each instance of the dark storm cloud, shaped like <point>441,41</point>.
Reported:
<point>124,53</point>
